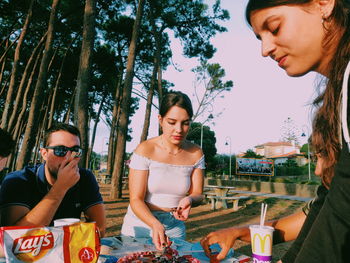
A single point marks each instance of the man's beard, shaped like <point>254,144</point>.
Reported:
<point>53,172</point>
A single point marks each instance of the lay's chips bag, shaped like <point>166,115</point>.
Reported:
<point>76,243</point>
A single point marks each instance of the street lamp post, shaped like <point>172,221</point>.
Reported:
<point>104,142</point>
<point>308,148</point>
<point>228,138</point>
<point>201,135</point>
<point>210,117</point>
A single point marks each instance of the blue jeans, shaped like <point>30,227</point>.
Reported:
<point>133,226</point>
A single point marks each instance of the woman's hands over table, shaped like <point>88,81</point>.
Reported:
<point>183,209</point>
<point>160,240</point>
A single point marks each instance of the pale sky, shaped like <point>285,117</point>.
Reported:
<point>262,98</point>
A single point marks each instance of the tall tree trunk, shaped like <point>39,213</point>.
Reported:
<point>95,125</point>
<point>116,191</point>
<point>8,49</point>
<point>146,122</point>
<point>13,157</point>
<point>3,67</point>
<point>32,124</point>
<point>25,97</point>
<point>41,130</point>
<point>53,102</point>
<point>159,80</point>
<point>38,139</point>
<point>15,68</point>
<point>84,76</point>
<point>113,140</point>
<point>21,88</point>
<point>66,117</point>
<point>157,34</point>
<point>112,134</point>
<point>114,123</point>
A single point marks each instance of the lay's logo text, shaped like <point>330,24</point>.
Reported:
<point>262,241</point>
<point>33,244</point>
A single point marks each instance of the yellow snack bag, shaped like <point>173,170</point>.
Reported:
<point>81,243</point>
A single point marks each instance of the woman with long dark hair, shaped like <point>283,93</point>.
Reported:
<point>304,36</point>
<point>166,176</point>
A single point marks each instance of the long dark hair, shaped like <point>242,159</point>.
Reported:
<point>175,98</point>
<point>326,122</point>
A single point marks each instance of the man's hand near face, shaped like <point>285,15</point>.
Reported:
<point>68,173</point>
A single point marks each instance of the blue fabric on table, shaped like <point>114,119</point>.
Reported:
<point>201,255</point>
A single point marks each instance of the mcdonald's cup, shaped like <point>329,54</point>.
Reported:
<point>261,239</point>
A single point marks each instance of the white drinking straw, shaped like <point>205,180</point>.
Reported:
<point>263,213</point>
<point>264,216</point>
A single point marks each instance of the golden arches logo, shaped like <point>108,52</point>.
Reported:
<point>262,241</point>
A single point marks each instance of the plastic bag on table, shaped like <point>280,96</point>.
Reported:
<point>75,243</point>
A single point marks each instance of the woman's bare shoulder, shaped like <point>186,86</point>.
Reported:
<point>194,149</point>
<point>146,148</point>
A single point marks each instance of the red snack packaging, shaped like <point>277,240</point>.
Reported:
<point>76,243</point>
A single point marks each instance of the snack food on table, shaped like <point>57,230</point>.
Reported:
<point>169,256</point>
<point>77,243</point>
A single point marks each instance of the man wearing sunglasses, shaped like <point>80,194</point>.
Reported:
<point>56,189</point>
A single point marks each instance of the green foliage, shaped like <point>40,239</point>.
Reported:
<point>288,170</point>
<point>251,154</point>
<point>192,22</point>
<point>290,167</point>
<point>95,161</point>
<point>304,149</point>
<point>210,78</point>
<point>290,163</point>
<point>221,164</point>
<point>212,74</point>
<point>209,141</point>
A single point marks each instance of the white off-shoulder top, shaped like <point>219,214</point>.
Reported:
<point>167,183</point>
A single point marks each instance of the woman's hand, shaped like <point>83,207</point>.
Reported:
<point>160,240</point>
<point>183,209</point>
<point>225,238</point>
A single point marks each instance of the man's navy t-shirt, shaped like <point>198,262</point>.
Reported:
<point>28,187</point>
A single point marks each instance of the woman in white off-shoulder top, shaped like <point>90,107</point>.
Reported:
<point>166,176</point>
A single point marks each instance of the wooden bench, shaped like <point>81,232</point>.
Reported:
<point>235,200</point>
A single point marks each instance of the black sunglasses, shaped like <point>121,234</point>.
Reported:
<point>61,150</point>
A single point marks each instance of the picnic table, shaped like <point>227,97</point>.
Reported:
<point>220,191</point>
<point>220,198</point>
